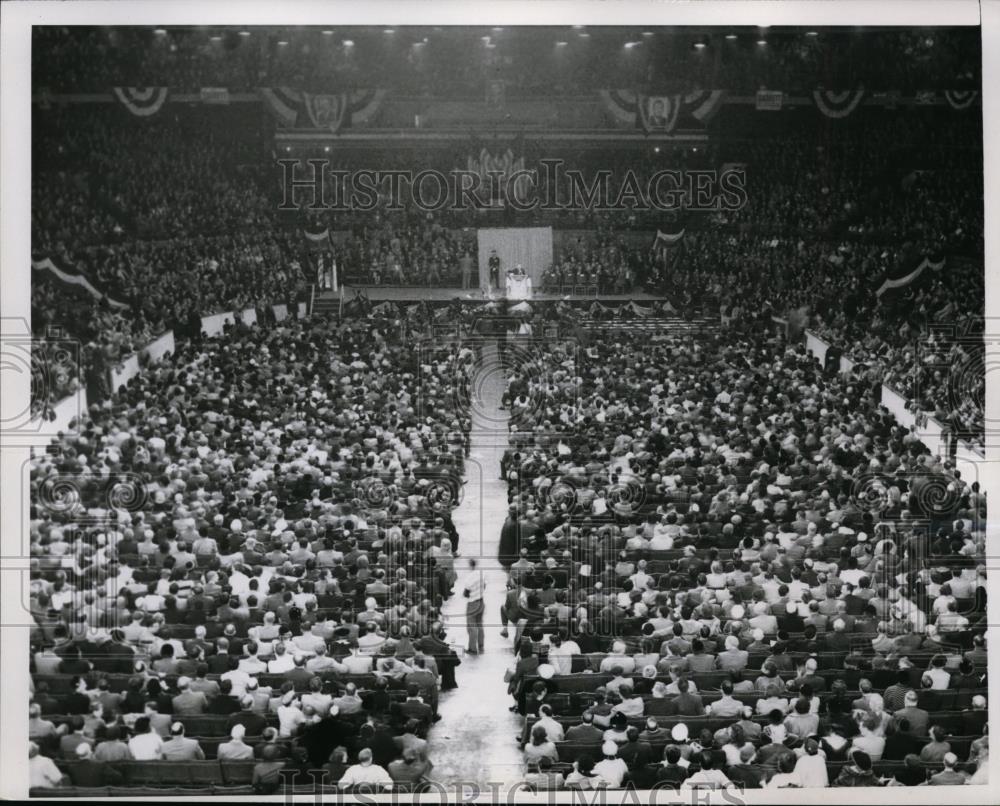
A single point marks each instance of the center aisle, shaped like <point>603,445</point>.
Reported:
<point>475,741</point>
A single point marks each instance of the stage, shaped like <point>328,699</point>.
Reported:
<point>417,293</point>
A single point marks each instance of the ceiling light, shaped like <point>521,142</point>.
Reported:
<point>348,43</point>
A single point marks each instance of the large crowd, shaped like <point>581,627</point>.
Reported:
<point>729,569</point>
<point>241,557</point>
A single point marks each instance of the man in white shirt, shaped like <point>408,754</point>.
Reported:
<point>612,769</point>
<point>553,728</point>
<point>561,652</point>
<point>473,587</point>
<point>282,662</point>
<point>707,777</point>
<point>364,772</point>
<point>42,770</point>
<point>146,745</point>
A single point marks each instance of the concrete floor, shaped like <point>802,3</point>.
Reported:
<point>476,740</point>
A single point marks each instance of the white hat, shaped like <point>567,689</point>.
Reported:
<point>545,671</point>
<point>679,732</point>
<point>738,612</point>
<point>609,748</point>
<point>758,634</point>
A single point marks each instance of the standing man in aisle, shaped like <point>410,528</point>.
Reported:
<point>473,587</point>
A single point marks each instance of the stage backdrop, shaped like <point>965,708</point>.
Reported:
<point>529,246</point>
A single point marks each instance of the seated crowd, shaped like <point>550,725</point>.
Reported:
<point>239,562</point>
<point>728,568</point>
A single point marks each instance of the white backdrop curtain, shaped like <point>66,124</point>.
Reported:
<point>529,246</point>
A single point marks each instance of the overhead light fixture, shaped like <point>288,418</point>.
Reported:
<point>160,32</point>
<point>389,31</point>
<point>699,45</point>
<point>730,37</point>
<point>561,44</point>
<point>647,33</point>
<point>812,33</point>
<point>584,35</point>
<point>656,149</point>
<point>497,29</point>
<point>244,33</point>
<point>216,38</point>
<point>327,33</point>
<point>485,38</point>
<point>348,43</point>
<point>282,42</point>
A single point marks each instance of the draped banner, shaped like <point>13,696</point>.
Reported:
<point>621,104</point>
<point>142,102</point>
<point>332,111</point>
<point>662,113</point>
<point>906,272</point>
<point>838,104</point>
<point>659,112</point>
<point>506,164</point>
<point>325,111</point>
<point>71,277</point>
<point>284,104</point>
<point>960,99</point>
<point>668,112</point>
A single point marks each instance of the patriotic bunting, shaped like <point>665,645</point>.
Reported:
<point>70,276</point>
<point>908,273</point>
<point>662,113</point>
<point>960,99</point>
<point>142,102</point>
<point>331,111</point>
<point>837,104</point>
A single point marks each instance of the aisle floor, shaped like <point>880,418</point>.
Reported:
<point>476,740</point>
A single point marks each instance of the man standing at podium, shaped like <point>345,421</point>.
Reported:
<point>494,267</point>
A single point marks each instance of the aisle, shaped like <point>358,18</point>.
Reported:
<point>475,741</point>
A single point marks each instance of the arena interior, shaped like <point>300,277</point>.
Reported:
<point>367,496</point>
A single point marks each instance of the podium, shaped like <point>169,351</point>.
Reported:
<point>518,287</point>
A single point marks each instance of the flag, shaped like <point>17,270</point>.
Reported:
<point>318,238</point>
<point>66,274</point>
<point>667,238</point>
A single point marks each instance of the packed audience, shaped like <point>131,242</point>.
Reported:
<point>241,557</point>
<point>729,569</point>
